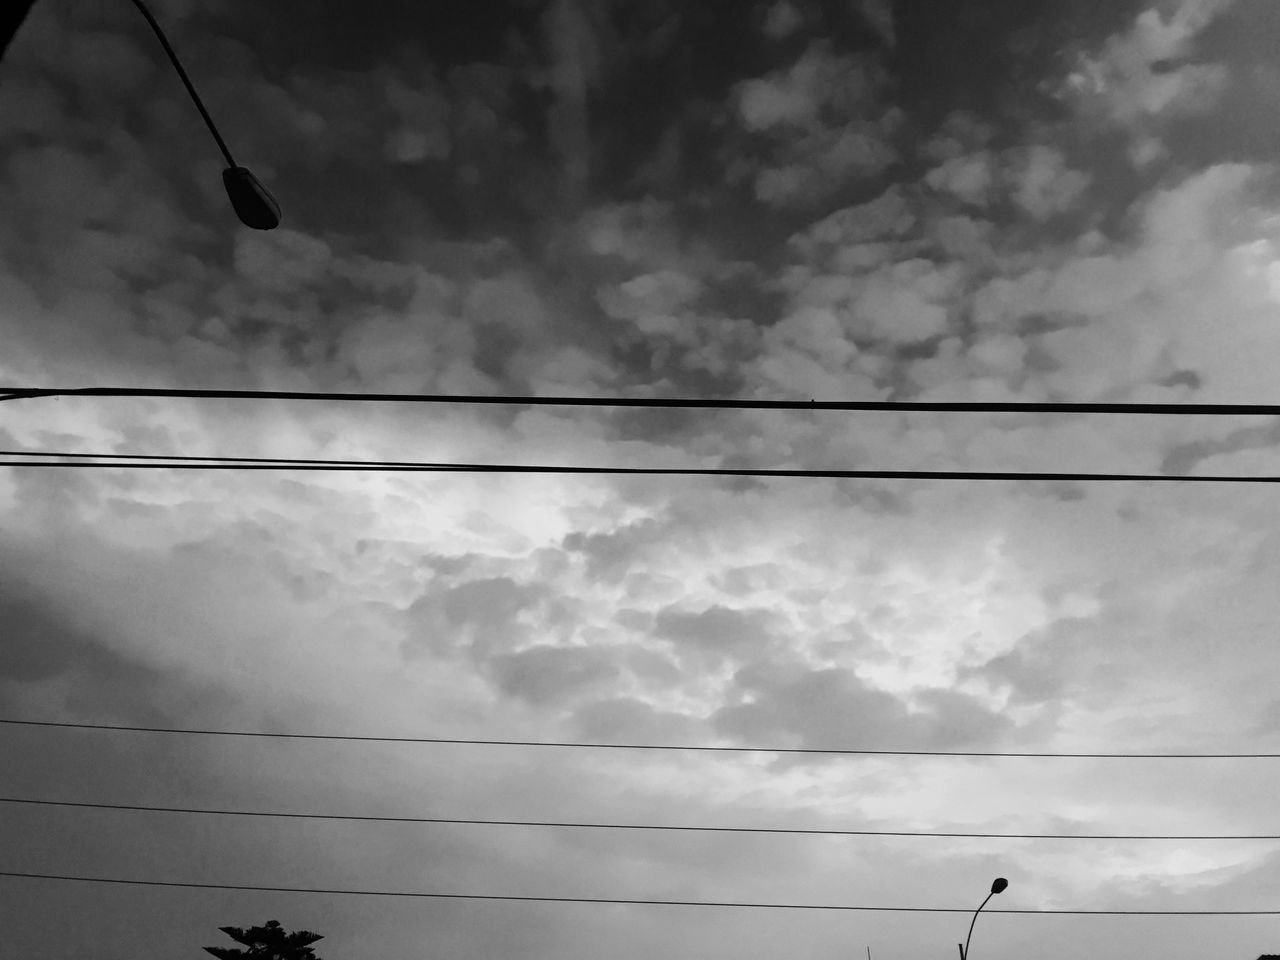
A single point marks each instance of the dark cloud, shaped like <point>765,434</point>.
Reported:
<point>1184,458</point>
<point>629,719</point>
<point>545,675</point>
<point>482,615</point>
<point>611,555</point>
<point>48,642</point>
<point>1032,672</point>
<point>716,631</point>
<point>990,57</point>
<point>829,707</point>
<point>489,603</point>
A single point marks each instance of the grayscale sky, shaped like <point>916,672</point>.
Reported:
<point>973,200</point>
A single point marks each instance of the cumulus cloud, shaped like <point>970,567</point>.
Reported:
<point>782,20</point>
<point>1045,185</point>
<point>905,303</point>
<point>824,125</point>
<point>852,238</point>
<point>819,708</point>
<point>879,16</point>
<point>813,233</point>
<point>1143,78</point>
<point>969,178</point>
<point>718,631</point>
<point>424,111</point>
<point>546,675</point>
<point>652,295</point>
<point>482,612</point>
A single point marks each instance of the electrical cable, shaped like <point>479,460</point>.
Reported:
<point>634,902</point>
<point>392,466</point>
<point>625,826</point>
<point>813,751</point>
<point>194,459</point>
<point>689,403</point>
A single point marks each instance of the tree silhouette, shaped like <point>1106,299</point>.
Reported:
<point>267,943</point>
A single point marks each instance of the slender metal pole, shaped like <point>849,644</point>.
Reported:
<point>186,81</point>
<point>964,951</point>
<point>11,17</point>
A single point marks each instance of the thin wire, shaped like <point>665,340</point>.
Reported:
<point>643,746</point>
<point>633,902</point>
<point>690,403</point>
<point>625,826</point>
<point>198,459</point>
<point>392,466</point>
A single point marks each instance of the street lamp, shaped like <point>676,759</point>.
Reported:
<point>996,887</point>
<point>252,202</point>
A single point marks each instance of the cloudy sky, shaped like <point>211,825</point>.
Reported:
<point>1072,200</point>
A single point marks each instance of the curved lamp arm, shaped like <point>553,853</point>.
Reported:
<point>252,202</point>
<point>186,81</point>
<point>999,885</point>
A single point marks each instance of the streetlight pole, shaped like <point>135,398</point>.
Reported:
<point>11,17</point>
<point>251,201</point>
<point>253,204</point>
<point>996,887</point>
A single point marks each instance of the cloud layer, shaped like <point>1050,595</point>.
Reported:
<point>790,199</point>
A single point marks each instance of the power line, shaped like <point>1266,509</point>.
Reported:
<point>633,902</point>
<point>129,462</point>
<point>813,751</point>
<point>198,459</point>
<point>627,826</point>
<point>689,403</point>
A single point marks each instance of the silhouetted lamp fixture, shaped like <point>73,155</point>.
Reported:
<point>997,886</point>
<point>253,204</point>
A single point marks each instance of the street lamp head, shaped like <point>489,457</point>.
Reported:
<point>999,885</point>
<point>253,203</point>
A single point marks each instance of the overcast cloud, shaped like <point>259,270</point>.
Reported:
<point>1039,200</point>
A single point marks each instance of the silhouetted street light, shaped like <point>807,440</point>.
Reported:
<point>252,202</point>
<point>996,887</point>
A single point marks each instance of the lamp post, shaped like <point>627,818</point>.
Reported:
<point>11,17</point>
<point>253,204</point>
<point>996,887</point>
<point>251,201</point>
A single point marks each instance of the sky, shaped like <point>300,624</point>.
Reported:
<point>1005,200</point>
